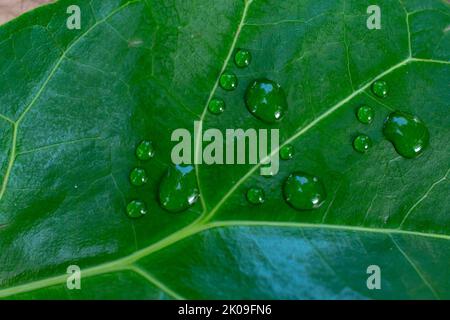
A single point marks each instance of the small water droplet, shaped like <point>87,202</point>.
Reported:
<point>407,132</point>
<point>304,191</point>
<point>380,88</point>
<point>136,209</point>
<point>243,58</point>
<point>266,100</point>
<point>228,81</point>
<point>145,150</point>
<point>178,189</point>
<point>287,152</point>
<point>138,177</point>
<point>216,106</point>
<point>362,143</point>
<point>256,195</point>
<point>365,114</point>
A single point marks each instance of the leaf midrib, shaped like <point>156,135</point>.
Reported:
<point>128,263</point>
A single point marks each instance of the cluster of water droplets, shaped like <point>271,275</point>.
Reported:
<point>229,81</point>
<point>177,189</point>
<point>265,100</point>
<point>362,142</point>
<point>138,177</point>
<point>405,131</point>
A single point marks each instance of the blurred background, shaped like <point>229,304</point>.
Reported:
<point>10,9</point>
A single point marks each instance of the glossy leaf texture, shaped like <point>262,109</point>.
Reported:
<point>74,105</point>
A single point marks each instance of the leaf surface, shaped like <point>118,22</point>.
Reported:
<point>74,104</point>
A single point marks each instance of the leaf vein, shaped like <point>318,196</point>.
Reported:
<point>129,261</point>
<point>425,195</point>
<point>416,269</point>
<point>155,282</point>
<point>197,143</point>
<point>16,124</point>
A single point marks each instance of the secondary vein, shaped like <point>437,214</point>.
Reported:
<point>198,141</point>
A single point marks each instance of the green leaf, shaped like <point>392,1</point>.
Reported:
<point>75,103</point>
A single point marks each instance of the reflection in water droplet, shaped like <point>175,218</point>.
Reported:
<point>362,143</point>
<point>228,81</point>
<point>216,106</point>
<point>408,133</point>
<point>380,88</point>
<point>178,189</point>
<point>243,58</point>
<point>365,114</point>
<point>138,177</point>
<point>287,152</point>
<point>304,191</point>
<point>135,43</point>
<point>266,100</point>
<point>255,195</point>
<point>136,209</point>
<point>145,150</point>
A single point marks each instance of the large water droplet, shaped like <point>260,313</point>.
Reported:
<point>255,195</point>
<point>408,133</point>
<point>136,209</point>
<point>228,81</point>
<point>304,191</point>
<point>365,114</point>
<point>138,177</point>
<point>266,100</point>
<point>178,189</point>
<point>216,106</point>
<point>362,143</point>
<point>145,150</point>
<point>380,88</point>
<point>287,152</point>
<point>243,58</point>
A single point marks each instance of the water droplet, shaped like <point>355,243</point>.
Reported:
<point>365,114</point>
<point>178,189</point>
<point>408,133</point>
<point>138,177</point>
<point>380,88</point>
<point>145,150</point>
<point>256,195</point>
<point>362,143</point>
<point>216,106</point>
<point>287,152</point>
<point>228,81</point>
<point>243,58</point>
<point>304,191</point>
<point>266,100</point>
<point>136,209</point>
